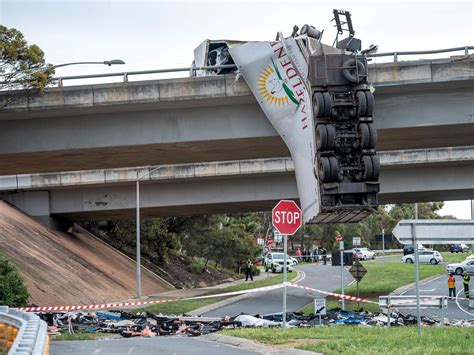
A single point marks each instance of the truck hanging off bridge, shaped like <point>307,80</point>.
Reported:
<point>318,99</point>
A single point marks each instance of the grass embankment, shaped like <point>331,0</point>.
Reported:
<point>381,279</point>
<point>365,340</point>
<point>180,307</point>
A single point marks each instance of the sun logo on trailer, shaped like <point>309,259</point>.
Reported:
<point>273,88</point>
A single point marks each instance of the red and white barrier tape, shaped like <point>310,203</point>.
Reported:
<point>141,303</point>
<point>338,295</point>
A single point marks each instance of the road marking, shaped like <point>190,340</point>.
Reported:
<point>459,306</point>
<point>427,290</point>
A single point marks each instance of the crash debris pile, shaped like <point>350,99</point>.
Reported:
<point>148,325</point>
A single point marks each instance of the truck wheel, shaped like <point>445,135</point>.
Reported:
<point>364,134</point>
<point>331,136</point>
<point>321,137</point>
<point>327,104</point>
<point>334,168</point>
<point>370,103</point>
<point>361,103</point>
<point>367,167</point>
<point>354,70</point>
<point>318,104</point>
<point>373,136</point>
<point>324,169</point>
<point>375,168</point>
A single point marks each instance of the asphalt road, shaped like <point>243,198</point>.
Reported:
<point>457,309</point>
<point>322,277</point>
<point>156,345</point>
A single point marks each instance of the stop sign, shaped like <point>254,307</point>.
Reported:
<point>286,217</point>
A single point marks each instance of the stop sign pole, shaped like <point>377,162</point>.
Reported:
<point>286,218</point>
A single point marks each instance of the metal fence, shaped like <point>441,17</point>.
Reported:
<point>191,70</point>
<point>31,337</point>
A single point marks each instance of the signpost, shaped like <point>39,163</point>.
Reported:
<point>429,231</point>
<point>286,218</point>
<point>357,271</point>
<point>320,307</point>
<point>356,241</point>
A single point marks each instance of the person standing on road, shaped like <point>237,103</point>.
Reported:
<point>452,285</point>
<point>465,279</point>
<point>324,253</point>
<point>248,270</point>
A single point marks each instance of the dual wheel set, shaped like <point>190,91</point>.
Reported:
<point>348,139</point>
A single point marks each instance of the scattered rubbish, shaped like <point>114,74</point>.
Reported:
<point>146,324</point>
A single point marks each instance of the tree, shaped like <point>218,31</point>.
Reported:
<point>13,292</point>
<point>22,66</point>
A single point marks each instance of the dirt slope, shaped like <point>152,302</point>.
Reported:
<point>65,269</point>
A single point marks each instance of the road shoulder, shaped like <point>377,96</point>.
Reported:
<point>252,345</point>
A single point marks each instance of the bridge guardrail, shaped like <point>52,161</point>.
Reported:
<point>32,336</point>
<point>125,75</point>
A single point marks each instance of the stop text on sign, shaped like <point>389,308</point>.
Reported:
<point>286,217</point>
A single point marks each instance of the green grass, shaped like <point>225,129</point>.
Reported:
<point>454,257</point>
<point>80,336</point>
<point>381,279</point>
<point>365,340</point>
<point>180,307</point>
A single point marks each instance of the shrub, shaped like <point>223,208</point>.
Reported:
<point>196,265</point>
<point>13,292</point>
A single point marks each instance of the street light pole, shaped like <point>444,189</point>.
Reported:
<point>139,268</point>
<point>105,62</point>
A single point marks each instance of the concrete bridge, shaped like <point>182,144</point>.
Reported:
<point>419,104</point>
<point>226,186</point>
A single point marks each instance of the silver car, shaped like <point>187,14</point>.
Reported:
<point>459,268</point>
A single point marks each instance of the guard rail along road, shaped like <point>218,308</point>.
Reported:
<point>22,333</point>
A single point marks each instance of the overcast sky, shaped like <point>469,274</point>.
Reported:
<point>163,34</point>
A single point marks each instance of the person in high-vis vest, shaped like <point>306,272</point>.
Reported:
<point>465,279</point>
<point>452,285</point>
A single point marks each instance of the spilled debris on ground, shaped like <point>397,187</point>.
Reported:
<point>149,325</point>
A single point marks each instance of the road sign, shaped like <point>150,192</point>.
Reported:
<point>435,231</point>
<point>286,217</point>
<point>320,306</point>
<point>357,271</point>
<point>356,241</point>
<point>260,241</point>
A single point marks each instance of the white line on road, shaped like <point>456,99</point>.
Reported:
<point>459,306</point>
<point>427,290</point>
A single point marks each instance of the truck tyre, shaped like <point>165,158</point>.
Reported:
<point>364,133</point>
<point>375,168</point>
<point>327,104</point>
<point>361,103</point>
<point>370,103</point>
<point>324,169</point>
<point>367,168</point>
<point>334,169</point>
<point>318,104</point>
<point>354,70</point>
<point>321,137</point>
<point>373,136</point>
<point>331,136</point>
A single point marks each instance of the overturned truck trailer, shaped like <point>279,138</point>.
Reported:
<point>319,100</point>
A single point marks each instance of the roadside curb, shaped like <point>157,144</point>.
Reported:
<point>252,345</point>
<point>213,306</point>
<point>403,289</point>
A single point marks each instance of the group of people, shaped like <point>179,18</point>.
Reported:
<point>452,284</point>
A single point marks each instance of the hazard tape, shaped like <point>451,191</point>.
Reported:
<point>337,295</point>
<point>141,303</point>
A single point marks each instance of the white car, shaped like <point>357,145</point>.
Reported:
<point>294,260</point>
<point>459,268</point>
<point>275,262</point>
<point>426,256</point>
<point>364,253</point>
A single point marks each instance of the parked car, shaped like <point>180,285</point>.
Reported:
<point>364,253</point>
<point>459,268</point>
<point>426,256</point>
<point>294,260</point>
<point>409,249</point>
<point>275,262</point>
<point>459,248</point>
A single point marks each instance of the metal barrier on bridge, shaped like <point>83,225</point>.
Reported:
<point>22,333</point>
<point>125,75</point>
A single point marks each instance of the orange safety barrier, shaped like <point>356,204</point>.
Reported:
<point>7,336</point>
